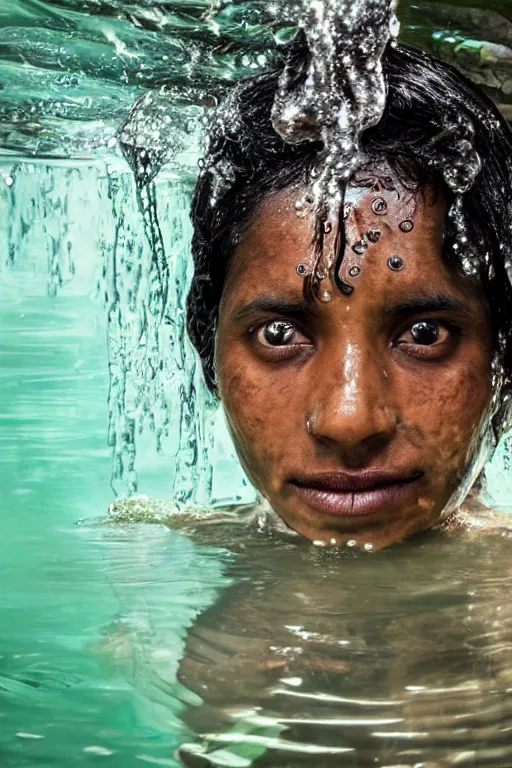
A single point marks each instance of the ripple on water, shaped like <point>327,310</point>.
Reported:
<point>316,658</point>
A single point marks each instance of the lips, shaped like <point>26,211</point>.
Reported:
<point>356,494</point>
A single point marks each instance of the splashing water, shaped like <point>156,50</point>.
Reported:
<point>342,92</point>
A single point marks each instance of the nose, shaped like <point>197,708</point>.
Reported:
<point>352,409</point>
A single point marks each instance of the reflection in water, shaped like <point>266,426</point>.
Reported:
<point>315,657</point>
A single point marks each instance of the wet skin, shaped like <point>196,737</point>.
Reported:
<point>355,417</point>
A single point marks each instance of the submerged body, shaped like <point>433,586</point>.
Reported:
<point>313,656</point>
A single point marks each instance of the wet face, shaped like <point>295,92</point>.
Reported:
<point>354,415</point>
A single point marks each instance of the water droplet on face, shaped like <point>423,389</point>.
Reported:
<point>326,296</point>
<point>346,211</point>
<point>300,208</point>
<point>406,226</point>
<point>354,271</point>
<point>327,227</point>
<point>360,247</point>
<point>379,206</point>
<point>395,263</point>
<point>301,269</point>
<point>373,235</point>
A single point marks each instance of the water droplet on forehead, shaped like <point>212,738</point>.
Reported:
<point>379,206</point>
<point>407,225</point>
<point>395,263</point>
<point>373,235</point>
<point>360,247</point>
<point>354,271</point>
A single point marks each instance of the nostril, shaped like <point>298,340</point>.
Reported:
<point>357,431</point>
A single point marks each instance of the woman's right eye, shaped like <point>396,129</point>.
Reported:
<point>280,333</point>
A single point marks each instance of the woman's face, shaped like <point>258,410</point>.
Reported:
<point>355,416</point>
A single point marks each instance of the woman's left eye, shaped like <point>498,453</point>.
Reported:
<point>425,333</point>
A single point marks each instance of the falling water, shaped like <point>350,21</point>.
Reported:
<point>135,84</point>
<point>342,92</point>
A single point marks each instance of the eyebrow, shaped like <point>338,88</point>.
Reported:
<point>297,310</point>
<point>435,303</point>
<point>300,310</point>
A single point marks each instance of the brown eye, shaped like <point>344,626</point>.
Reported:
<point>425,333</point>
<point>277,333</point>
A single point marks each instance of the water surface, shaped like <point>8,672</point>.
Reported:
<point>297,656</point>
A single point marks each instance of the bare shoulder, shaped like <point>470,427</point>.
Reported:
<point>475,516</point>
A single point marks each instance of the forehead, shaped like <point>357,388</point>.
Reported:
<point>278,240</point>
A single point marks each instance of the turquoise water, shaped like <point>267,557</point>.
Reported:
<point>94,619</point>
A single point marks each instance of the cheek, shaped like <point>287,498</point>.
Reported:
<point>241,398</point>
<point>258,415</point>
<point>446,411</point>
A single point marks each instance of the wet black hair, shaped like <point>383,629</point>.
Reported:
<point>428,104</point>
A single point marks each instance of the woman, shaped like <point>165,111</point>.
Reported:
<point>365,373</point>
<point>364,368</point>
